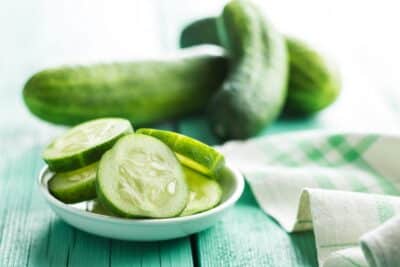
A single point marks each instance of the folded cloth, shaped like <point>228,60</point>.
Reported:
<point>382,245</point>
<point>339,185</point>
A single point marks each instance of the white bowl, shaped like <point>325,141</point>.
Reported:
<point>80,216</point>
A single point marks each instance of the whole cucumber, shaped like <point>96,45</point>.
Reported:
<point>253,94</point>
<point>144,92</point>
<point>313,84</point>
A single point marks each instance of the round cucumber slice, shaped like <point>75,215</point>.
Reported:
<point>84,144</point>
<point>191,153</point>
<point>204,193</point>
<point>141,177</point>
<point>75,186</point>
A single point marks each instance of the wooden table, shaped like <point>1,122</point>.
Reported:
<point>42,33</point>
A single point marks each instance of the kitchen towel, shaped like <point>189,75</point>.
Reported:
<point>343,186</point>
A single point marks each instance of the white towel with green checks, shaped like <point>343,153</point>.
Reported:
<point>341,186</point>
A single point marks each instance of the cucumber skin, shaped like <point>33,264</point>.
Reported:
<point>85,158</point>
<point>202,31</point>
<point>88,192</point>
<point>209,157</point>
<point>313,83</point>
<point>254,92</point>
<point>144,92</point>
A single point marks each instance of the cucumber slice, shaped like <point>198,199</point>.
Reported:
<point>141,177</point>
<point>204,193</point>
<point>95,206</point>
<point>84,144</point>
<point>75,186</point>
<point>191,153</point>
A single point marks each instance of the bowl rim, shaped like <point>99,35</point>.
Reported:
<point>235,195</point>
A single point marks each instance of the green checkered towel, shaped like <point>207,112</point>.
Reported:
<point>342,186</point>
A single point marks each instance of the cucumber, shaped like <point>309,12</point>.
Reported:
<point>204,193</point>
<point>253,94</point>
<point>74,186</point>
<point>314,82</point>
<point>84,144</point>
<point>190,152</point>
<point>141,177</point>
<point>202,31</point>
<point>143,92</point>
<point>95,206</point>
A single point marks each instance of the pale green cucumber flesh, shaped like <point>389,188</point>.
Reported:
<point>141,177</point>
<point>191,153</point>
<point>74,186</point>
<point>204,193</point>
<point>84,143</point>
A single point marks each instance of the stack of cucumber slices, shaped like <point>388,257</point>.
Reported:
<point>147,174</point>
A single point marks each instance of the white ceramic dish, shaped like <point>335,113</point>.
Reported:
<point>80,216</point>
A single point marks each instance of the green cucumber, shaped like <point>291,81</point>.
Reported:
<point>191,152</point>
<point>74,186</point>
<point>204,193</point>
<point>253,94</point>
<point>314,82</point>
<point>95,206</point>
<point>84,144</point>
<point>143,92</point>
<point>141,177</point>
<point>202,31</point>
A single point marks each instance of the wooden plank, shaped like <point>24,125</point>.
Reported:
<point>167,253</point>
<point>18,186</point>
<point>88,250</point>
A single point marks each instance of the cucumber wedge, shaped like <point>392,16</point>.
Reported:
<point>141,177</point>
<point>84,144</point>
<point>191,153</point>
<point>204,193</point>
<point>75,186</point>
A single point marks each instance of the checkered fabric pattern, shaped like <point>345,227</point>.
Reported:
<point>341,186</point>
